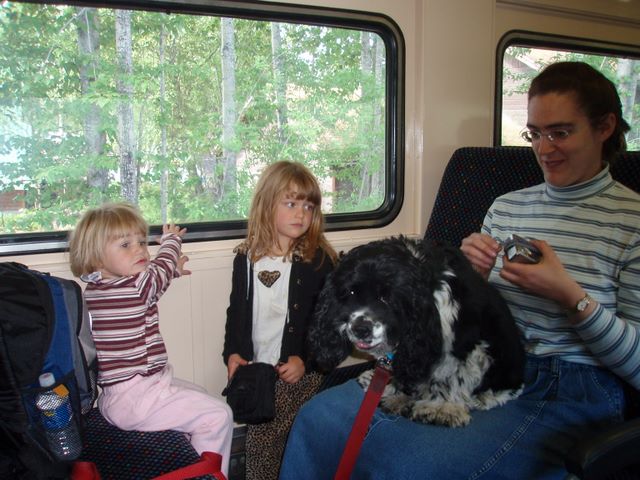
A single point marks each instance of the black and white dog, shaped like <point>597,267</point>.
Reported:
<point>454,343</point>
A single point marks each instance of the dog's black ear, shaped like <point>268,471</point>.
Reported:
<point>421,344</point>
<point>327,344</point>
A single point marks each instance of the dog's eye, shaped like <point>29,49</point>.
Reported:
<point>345,293</point>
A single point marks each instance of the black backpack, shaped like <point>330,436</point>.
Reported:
<point>44,327</point>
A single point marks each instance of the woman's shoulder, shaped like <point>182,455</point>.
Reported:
<point>625,193</point>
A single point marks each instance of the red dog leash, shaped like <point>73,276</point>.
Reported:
<point>381,376</point>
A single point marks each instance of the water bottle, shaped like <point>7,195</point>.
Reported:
<point>56,416</point>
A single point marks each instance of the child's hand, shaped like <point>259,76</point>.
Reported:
<point>292,371</point>
<point>170,228</point>
<point>176,230</point>
<point>180,266</point>
<point>233,363</point>
<point>173,228</point>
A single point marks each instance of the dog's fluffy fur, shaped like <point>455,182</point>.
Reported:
<point>455,344</point>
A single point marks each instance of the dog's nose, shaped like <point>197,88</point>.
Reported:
<point>361,328</point>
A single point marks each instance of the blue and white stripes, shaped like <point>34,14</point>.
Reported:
<point>594,228</point>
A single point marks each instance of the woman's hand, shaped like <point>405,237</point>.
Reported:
<point>548,278</point>
<point>233,363</point>
<point>481,250</point>
<point>292,371</point>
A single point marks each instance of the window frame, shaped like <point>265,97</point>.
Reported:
<point>380,24</point>
<point>526,38</point>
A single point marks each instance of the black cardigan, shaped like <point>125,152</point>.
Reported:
<point>305,282</point>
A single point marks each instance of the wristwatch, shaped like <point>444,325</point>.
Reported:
<point>582,304</point>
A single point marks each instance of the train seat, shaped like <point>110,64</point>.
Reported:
<point>473,178</point>
<point>134,455</point>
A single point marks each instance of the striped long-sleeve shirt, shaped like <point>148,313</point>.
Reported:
<point>594,228</point>
<point>124,317</point>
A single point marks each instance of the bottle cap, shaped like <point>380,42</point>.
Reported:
<point>61,390</point>
<point>47,379</point>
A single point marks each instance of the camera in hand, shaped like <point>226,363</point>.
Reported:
<point>521,250</point>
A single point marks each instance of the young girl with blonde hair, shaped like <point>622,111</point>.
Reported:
<point>278,272</point>
<point>108,250</point>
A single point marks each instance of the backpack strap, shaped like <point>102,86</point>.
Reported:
<point>60,353</point>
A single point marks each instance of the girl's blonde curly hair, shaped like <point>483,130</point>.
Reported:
<point>296,182</point>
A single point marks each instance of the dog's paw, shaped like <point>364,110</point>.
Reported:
<point>439,413</point>
<point>365,379</point>
<point>489,399</point>
<point>396,403</point>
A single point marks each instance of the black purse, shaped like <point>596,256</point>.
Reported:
<point>251,393</point>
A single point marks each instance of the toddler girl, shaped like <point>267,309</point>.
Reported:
<point>108,250</point>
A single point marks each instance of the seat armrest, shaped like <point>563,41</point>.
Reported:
<point>603,453</point>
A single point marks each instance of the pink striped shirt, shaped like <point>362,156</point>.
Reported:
<point>124,317</point>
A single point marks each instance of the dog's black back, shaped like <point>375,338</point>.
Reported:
<point>484,315</point>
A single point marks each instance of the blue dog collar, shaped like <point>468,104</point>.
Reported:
<point>386,361</point>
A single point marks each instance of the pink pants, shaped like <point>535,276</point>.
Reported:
<point>161,402</point>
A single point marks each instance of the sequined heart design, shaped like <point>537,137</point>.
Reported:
<point>268,278</point>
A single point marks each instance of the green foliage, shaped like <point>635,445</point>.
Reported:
<point>59,136</point>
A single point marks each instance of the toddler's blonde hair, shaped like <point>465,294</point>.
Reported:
<point>96,228</point>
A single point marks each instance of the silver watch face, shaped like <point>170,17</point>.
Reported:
<point>583,304</point>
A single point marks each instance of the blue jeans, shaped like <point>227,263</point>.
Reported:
<point>524,439</point>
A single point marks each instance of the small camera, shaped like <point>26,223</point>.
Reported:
<point>521,250</point>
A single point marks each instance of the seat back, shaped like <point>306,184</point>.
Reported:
<point>476,176</point>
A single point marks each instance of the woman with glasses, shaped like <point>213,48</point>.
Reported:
<point>578,309</point>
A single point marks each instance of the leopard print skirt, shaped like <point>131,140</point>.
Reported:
<point>265,442</point>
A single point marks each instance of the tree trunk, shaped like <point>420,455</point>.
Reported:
<point>88,28</point>
<point>164,173</point>
<point>279,81</point>
<point>366,121</point>
<point>228,189</point>
<point>377,178</point>
<point>630,92</point>
<point>124,86</point>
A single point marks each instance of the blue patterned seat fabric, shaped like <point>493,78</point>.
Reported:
<point>475,176</point>
<point>132,455</point>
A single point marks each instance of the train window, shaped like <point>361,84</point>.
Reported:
<point>177,107</point>
<point>521,55</point>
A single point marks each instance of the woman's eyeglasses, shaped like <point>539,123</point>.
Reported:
<point>552,135</point>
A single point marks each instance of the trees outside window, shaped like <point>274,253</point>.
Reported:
<point>179,113</point>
